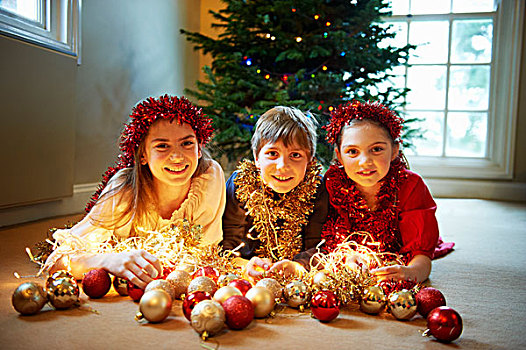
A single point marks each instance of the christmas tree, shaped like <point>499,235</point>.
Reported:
<point>311,54</point>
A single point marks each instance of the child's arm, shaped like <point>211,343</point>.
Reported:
<point>235,220</point>
<point>417,270</point>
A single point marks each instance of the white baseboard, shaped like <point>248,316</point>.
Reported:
<point>66,206</point>
<point>441,188</point>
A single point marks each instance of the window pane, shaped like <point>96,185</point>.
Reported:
<point>466,134</point>
<point>460,6</point>
<point>471,41</point>
<point>420,7</point>
<point>400,39</point>
<point>432,128</point>
<point>23,8</point>
<point>428,87</point>
<point>432,40</point>
<point>400,7</point>
<point>469,87</point>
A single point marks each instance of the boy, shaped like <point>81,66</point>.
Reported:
<point>271,201</point>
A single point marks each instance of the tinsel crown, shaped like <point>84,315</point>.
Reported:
<point>356,110</point>
<point>142,117</point>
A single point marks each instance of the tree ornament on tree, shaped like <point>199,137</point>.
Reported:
<point>444,323</point>
<point>429,298</point>
<point>325,306</point>
<point>96,283</point>
<point>29,298</point>
<point>239,312</point>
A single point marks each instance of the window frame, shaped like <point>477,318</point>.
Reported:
<point>502,108</point>
<point>58,29</point>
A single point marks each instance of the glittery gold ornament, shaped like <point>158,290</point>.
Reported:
<point>274,286</point>
<point>162,285</point>
<point>262,299</point>
<point>296,294</point>
<point>208,318</point>
<point>373,300</point>
<point>56,275</point>
<point>29,298</point>
<point>402,304</point>
<point>180,279</point>
<point>225,292</point>
<point>224,280</point>
<point>63,293</point>
<point>277,240</point>
<point>202,283</point>
<point>155,305</point>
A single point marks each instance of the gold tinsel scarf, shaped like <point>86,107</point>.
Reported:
<point>277,218</point>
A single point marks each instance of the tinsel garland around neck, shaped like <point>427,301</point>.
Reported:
<point>278,218</point>
<point>351,213</point>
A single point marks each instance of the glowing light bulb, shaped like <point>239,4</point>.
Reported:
<point>298,39</point>
<point>267,76</point>
<point>331,108</point>
<point>258,71</point>
<point>324,67</point>
<point>328,24</point>
<point>316,17</point>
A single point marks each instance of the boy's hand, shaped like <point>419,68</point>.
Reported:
<point>256,267</point>
<point>288,268</point>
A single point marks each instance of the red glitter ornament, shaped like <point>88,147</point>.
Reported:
<point>96,283</point>
<point>207,271</point>
<point>444,323</point>
<point>429,298</point>
<point>143,115</point>
<point>191,300</point>
<point>325,306</point>
<point>134,292</point>
<point>239,312</point>
<point>241,284</point>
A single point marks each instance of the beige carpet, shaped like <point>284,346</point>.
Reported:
<point>484,279</point>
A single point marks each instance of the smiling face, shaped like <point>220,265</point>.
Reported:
<point>172,154</point>
<point>282,168</point>
<point>366,152</point>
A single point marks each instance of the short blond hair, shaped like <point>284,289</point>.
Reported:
<point>286,124</point>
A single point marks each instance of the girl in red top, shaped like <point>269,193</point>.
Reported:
<point>370,189</point>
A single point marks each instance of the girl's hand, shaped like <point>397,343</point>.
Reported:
<point>394,272</point>
<point>137,266</point>
<point>256,267</point>
<point>288,268</point>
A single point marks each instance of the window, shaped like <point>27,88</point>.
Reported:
<point>463,77</point>
<point>53,24</point>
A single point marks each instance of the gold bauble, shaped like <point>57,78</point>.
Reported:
<point>180,279</point>
<point>274,286</point>
<point>224,280</point>
<point>402,304</point>
<point>120,285</point>
<point>202,283</point>
<point>155,305</point>
<point>296,294</point>
<point>56,275</point>
<point>29,298</point>
<point>373,300</point>
<point>262,299</point>
<point>162,285</point>
<point>226,292</point>
<point>208,318</point>
<point>63,293</point>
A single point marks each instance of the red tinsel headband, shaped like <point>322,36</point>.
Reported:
<point>142,117</point>
<point>356,110</point>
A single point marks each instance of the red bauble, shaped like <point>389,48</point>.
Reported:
<point>444,323</point>
<point>166,272</point>
<point>239,312</point>
<point>96,283</point>
<point>191,300</point>
<point>325,306</point>
<point>135,292</point>
<point>206,271</point>
<point>241,284</point>
<point>429,298</point>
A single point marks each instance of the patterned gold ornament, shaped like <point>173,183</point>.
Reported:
<point>162,285</point>
<point>155,305</point>
<point>278,219</point>
<point>56,275</point>
<point>226,292</point>
<point>296,294</point>
<point>262,299</point>
<point>402,304</point>
<point>29,298</point>
<point>202,283</point>
<point>63,293</point>
<point>274,286</point>
<point>373,300</point>
<point>180,279</point>
<point>208,318</point>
